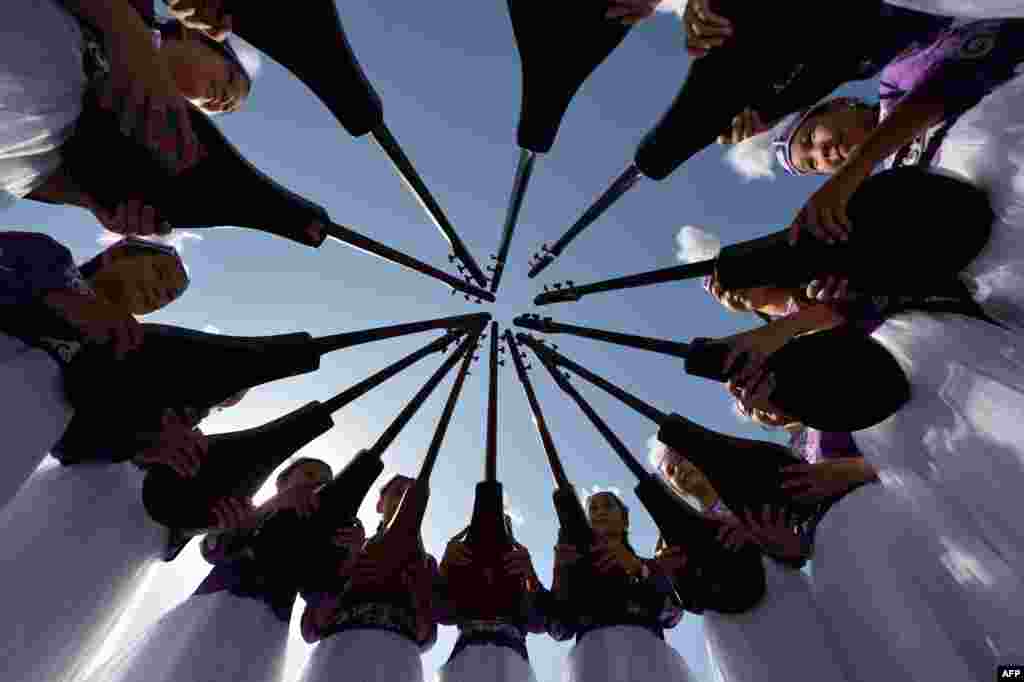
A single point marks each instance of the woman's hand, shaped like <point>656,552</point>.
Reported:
<point>351,537</point>
<point>143,92</point>
<point>181,446</point>
<point>300,498</point>
<point>773,534</point>
<point>98,322</point>
<point>749,380</point>
<point>829,290</point>
<point>826,479</point>
<point>233,512</point>
<point>704,30</point>
<point>671,560</point>
<point>630,12</point>
<point>746,124</point>
<point>824,214</point>
<point>607,557</point>
<point>519,564</point>
<point>732,534</point>
<point>131,217</point>
<point>455,554</point>
<point>207,16</point>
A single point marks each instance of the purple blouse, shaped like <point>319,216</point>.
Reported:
<point>966,63</point>
<point>815,446</point>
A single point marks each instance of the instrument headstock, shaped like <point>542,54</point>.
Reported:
<point>559,292</point>
<point>545,325</point>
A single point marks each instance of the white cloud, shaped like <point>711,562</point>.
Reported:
<point>210,329</point>
<point>176,238</point>
<point>513,511</point>
<point>696,244</point>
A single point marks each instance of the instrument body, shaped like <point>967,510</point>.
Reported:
<point>237,464</point>
<point>223,188</point>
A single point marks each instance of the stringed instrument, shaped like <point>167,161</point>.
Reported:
<point>482,590</point>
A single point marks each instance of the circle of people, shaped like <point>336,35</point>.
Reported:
<point>913,523</point>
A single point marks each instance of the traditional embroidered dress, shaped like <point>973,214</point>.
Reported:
<point>981,140</point>
<point>367,641</point>
<point>42,81</point>
<point>619,628</point>
<point>75,547</point>
<point>785,626</point>
<point>35,412</point>
<point>490,650</point>
<point>234,627</point>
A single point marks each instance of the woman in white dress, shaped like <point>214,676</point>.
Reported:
<point>50,308</point>
<point>379,638</point>
<point>615,605</point>
<point>48,59</point>
<point>490,649</point>
<point>235,625</point>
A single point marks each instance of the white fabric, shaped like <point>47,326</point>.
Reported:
<point>364,655</point>
<point>486,662</point>
<point>986,147</point>
<point>35,412</point>
<point>41,86</point>
<point>75,546</point>
<point>625,653</point>
<point>763,644</point>
<point>970,9</point>
<point>208,637</point>
<point>872,564</point>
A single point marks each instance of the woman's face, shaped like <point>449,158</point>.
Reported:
<point>770,300</point>
<point>391,497</point>
<point>205,77</point>
<point>606,515</point>
<point>307,473</point>
<point>685,478</point>
<point>827,138</point>
<point>139,282</point>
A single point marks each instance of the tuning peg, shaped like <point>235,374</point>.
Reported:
<point>493,257</point>
<point>501,363</point>
<point>479,301</point>
<point>570,283</point>
<point>501,349</point>
<point>451,257</point>
<point>467,297</point>
<point>566,376</point>
<point>491,268</point>
<point>454,292</point>
<point>554,346</point>
<point>558,285</point>
<point>528,367</point>
<point>545,287</point>
<point>468,373</point>
<point>545,248</point>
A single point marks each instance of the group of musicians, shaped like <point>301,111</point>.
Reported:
<point>914,533</point>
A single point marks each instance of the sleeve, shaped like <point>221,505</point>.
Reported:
<point>671,608</point>
<point>970,61</point>
<point>315,600</point>
<point>91,438</point>
<point>31,265</point>
<point>806,88</point>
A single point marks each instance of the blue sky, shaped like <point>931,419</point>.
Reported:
<point>449,80</point>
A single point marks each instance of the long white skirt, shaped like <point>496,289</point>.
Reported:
<point>41,88</point>
<point>786,626</point>
<point>486,662</point>
<point>969,9</point>
<point>986,147</point>
<point>35,412</point>
<point>364,655</point>
<point>625,653</point>
<point>215,636</point>
<point>75,546</point>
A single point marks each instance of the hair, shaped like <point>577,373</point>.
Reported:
<point>295,464</point>
<point>395,479</point>
<point>625,516</point>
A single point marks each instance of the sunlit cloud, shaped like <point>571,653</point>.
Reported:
<point>513,511</point>
<point>696,244</point>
